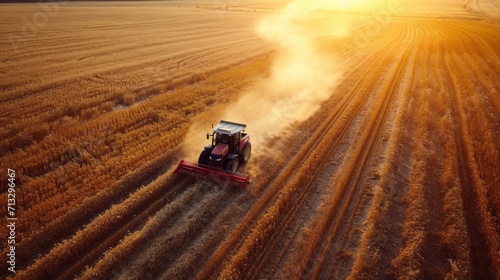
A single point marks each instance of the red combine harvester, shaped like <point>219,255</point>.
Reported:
<point>230,148</point>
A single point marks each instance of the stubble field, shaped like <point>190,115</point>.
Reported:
<point>391,172</point>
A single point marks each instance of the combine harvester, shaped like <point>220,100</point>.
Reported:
<point>230,148</point>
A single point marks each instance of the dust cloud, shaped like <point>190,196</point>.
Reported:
<point>303,74</point>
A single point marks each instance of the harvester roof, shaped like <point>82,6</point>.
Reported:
<point>226,127</point>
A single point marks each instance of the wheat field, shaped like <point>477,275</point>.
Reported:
<point>375,135</point>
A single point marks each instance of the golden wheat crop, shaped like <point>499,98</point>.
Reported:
<point>393,173</point>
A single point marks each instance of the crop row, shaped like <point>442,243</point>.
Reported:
<point>76,163</point>
<point>481,162</point>
<point>331,213</point>
<point>437,206</point>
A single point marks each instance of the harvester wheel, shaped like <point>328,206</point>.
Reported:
<point>203,159</point>
<point>245,153</point>
<point>232,165</point>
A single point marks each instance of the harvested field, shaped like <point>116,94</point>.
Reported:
<point>375,135</point>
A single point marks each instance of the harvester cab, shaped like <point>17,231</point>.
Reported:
<point>229,149</point>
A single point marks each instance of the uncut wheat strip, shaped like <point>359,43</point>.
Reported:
<point>482,109</point>
<point>408,263</point>
<point>274,258</point>
<point>455,233</point>
<point>479,189</point>
<point>486,78</point>
<point>317,226</point>
<point>341,255</point>
<point>401,139</point>
<point>364,156</point>
<point>487,158</point>
<point>437,97</point>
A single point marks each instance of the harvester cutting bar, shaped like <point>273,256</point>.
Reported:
<point>209,171</point>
